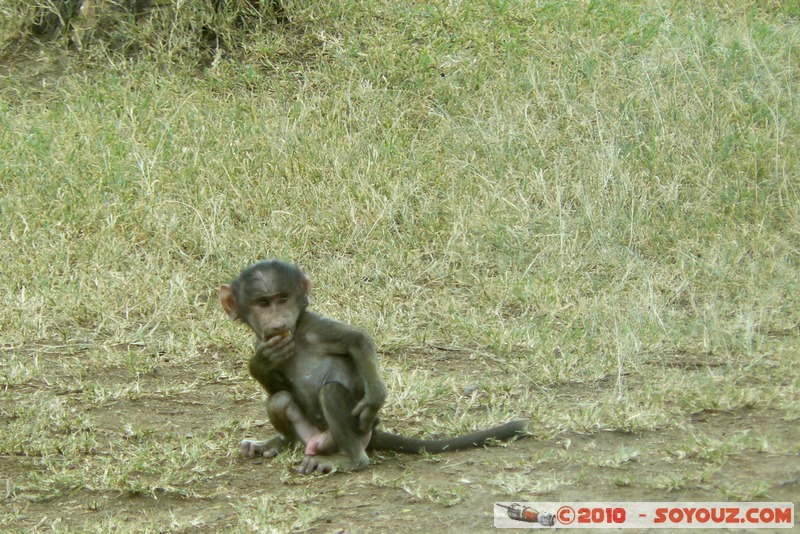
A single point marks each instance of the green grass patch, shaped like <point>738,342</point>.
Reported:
<point>593,206</point>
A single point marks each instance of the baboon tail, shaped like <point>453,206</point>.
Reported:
<point>386,441</point>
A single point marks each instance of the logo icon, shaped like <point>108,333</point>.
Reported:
<point>517,512</point>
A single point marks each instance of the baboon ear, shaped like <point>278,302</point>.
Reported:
<point>228,300</point>
<point>305,280</point>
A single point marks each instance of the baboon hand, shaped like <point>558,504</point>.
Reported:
<point>274,351</point>
<point>367,408</point>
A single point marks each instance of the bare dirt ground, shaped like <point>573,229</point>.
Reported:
<point>445,493</point>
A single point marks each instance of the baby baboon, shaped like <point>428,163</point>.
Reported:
<point>321,375</point>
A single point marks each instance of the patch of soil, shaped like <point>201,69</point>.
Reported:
<point>450,492</point>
